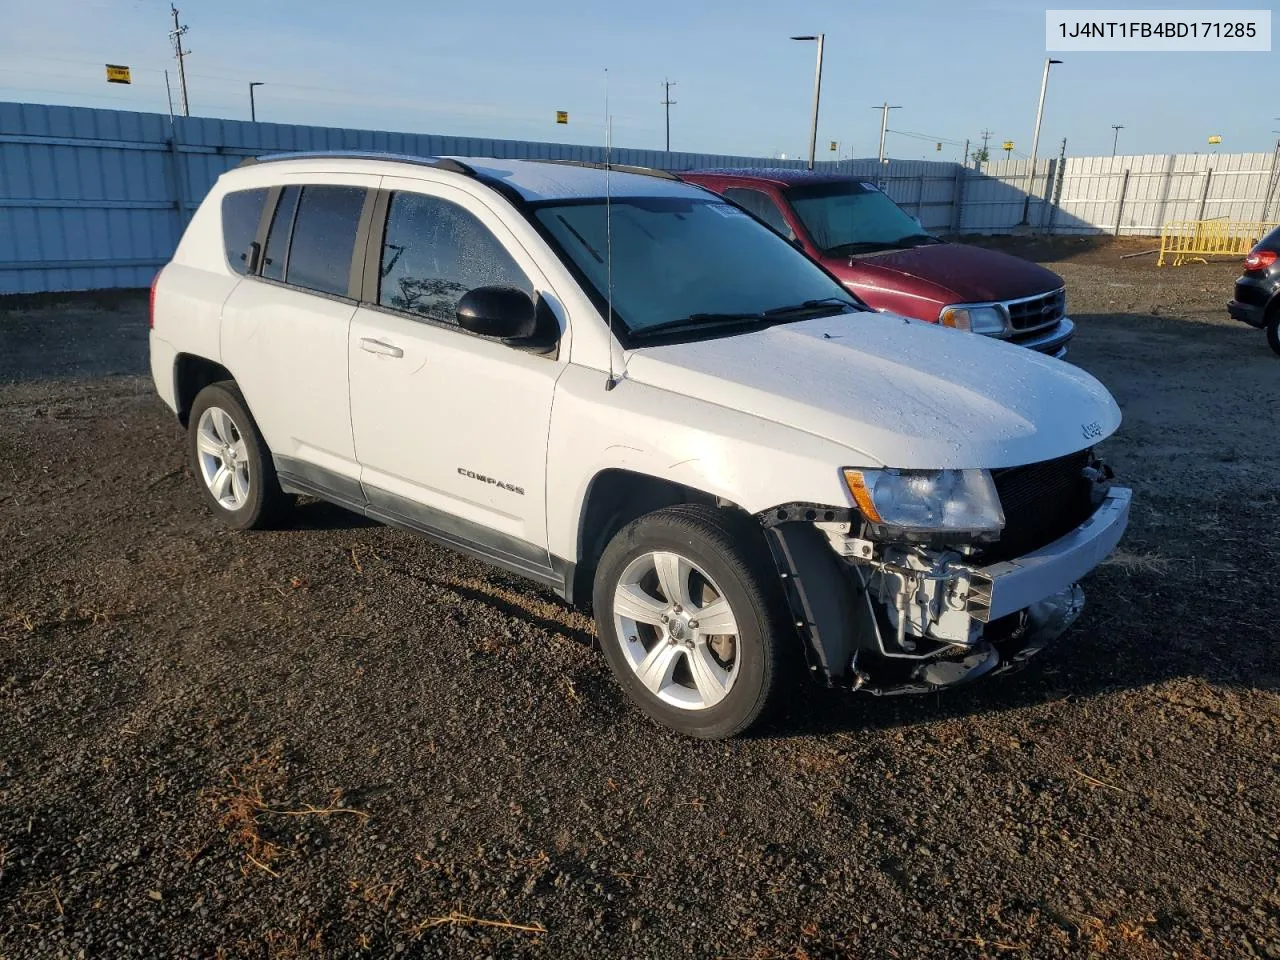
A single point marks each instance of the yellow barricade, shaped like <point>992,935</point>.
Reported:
<point>1185,240</point>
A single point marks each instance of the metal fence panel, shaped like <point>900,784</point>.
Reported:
<point>98,198</point>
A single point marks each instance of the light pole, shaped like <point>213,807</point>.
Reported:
<point>253,111</point>
<point>1117,127</point>
<point>817,94</point>
<point>1035,140</point>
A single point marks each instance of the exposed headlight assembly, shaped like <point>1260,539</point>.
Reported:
<point>927,501</point>
<point>989,320</point>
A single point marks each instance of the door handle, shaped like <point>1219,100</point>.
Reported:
<point>371,345</point>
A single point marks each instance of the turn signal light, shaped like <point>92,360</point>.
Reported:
<point>1259,259</point>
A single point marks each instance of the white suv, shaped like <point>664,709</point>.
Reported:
<point>628,390</point>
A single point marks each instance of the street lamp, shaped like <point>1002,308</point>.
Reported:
<point>253,112</point>
<point>1117,127</point>
<point>817,94</point>
<point>1035,140</point>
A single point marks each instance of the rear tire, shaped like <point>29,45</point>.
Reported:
<point>231,461</point>
<point>1273,329</point>
<point>712,677</point>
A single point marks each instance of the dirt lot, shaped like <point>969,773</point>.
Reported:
<point>339,740</point>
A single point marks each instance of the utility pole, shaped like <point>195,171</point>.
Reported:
<point>1035,141</point>
<point>253,110</point>
<point>1117,127</point>
<point>965,161</point>
<point>176,36</point>
<point>884,109</point>
<point>667,102</point>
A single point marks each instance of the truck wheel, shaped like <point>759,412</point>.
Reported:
<point>232,462</point>
<point>690,616</point>
<point>1273,330</point>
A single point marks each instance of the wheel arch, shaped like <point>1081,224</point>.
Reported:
<point>614,497</point>
<point>191,374</point>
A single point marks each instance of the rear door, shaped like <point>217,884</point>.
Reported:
<point>285,329</point>
<point>450,428</point>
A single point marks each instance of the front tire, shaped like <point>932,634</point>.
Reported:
<point>231,460</point>
<point>690,616</point>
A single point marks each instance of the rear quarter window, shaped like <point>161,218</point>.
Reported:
<point>241,214</point>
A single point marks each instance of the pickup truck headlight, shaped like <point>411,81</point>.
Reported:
<point>989,320</point>
<point>927,501</point>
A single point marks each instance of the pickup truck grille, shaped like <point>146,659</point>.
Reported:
<point>1035,312</point>
<point>1042,502</point>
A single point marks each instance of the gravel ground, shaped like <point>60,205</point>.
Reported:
<point>339,740</point>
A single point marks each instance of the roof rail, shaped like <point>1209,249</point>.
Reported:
<point>619,167</point>
<point>439,163</point>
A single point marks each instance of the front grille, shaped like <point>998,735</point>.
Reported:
<point>1035,312</point>
<point>1042,502</point>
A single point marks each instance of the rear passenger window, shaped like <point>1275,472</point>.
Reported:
<point>324,237</point>
<point>241,213</point>
<point>434,251</point>
<point>277,251</point>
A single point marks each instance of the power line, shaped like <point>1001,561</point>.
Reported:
<point>925,136</point>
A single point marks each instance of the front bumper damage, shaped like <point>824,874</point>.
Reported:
<point>890,618</point>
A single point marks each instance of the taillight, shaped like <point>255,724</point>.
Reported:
<point>151,308</point>
<point>1259,259</point>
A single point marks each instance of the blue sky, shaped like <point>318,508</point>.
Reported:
<point>501,68</point>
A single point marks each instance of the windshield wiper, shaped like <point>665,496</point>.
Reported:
<point>705,321</point>
<point>917,240</point>
<point>858,246</point>
<point>810,306</point>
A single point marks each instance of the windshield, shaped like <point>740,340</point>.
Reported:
<point>686,264</point>
<point>849,216</point>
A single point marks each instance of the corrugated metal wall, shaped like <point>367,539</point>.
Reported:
<point>98,198</point>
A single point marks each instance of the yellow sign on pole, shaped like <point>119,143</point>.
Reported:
<point>118,74</point>
<point>1008,145</point>
<point>562,116</point>
<point>835,145</point>
<point>1215,139</point>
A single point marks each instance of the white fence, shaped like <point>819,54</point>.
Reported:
<point>1122,195</point>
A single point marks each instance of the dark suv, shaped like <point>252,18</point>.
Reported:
<point>1257,299</point>
<point>886,257</point>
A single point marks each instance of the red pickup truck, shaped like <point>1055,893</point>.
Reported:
<point>886,257</point>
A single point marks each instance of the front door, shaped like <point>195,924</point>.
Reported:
<point>450,428</point>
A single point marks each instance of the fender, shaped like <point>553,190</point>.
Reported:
<point>726,454</point>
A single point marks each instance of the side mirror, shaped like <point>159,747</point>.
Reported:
<point>503,313</point>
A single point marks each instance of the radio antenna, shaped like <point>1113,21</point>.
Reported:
<point>608,227</point>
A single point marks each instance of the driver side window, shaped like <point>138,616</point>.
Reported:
<point>762,205</point>
<point>433,252</point>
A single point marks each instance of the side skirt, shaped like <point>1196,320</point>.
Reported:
<point>510,553</point>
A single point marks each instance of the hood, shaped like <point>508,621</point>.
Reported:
<point>958,273</point>
<point>897,392</point>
